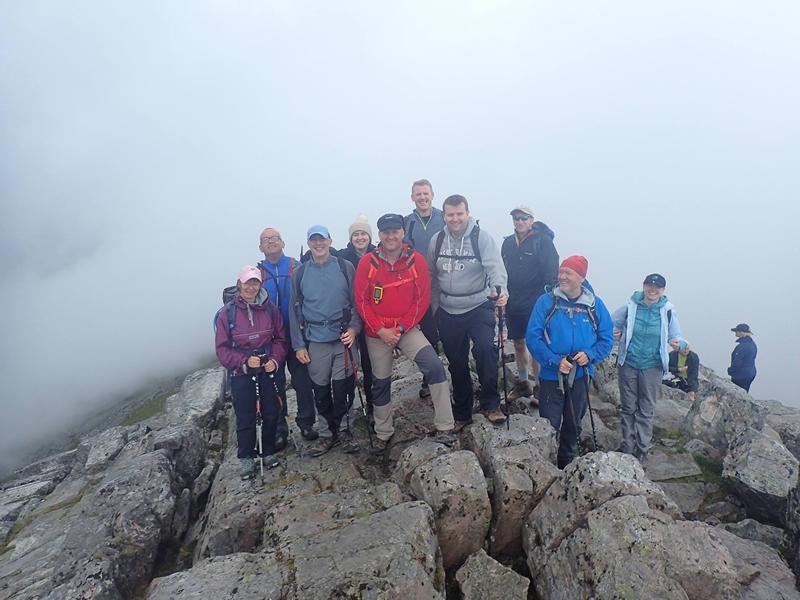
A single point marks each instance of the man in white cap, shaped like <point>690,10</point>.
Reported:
<point>531,262</point>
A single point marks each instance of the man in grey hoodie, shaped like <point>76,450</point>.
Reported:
<point>324,326</point>
<point>463,300</point>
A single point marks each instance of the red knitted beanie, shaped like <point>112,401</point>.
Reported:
<point>577,263</point>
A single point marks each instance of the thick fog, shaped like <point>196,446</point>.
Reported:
<point>144,146</point>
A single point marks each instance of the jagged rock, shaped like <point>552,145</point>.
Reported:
<point>484,439</point>
<point>785,420</point>
<point>607,438</point>
<point>415,455</point>
<point>520,477</point>
<point>454,486</point>
<point>54,468</point>
<point>483,578</point>
<point>239,576</point>
<point>104,544</point>
<point>793,529</point>
<point>389,554</point>
<point>689,496</point>
<point>700,448</point>
<point>723,412</point>
<point>750,529</point>
<point>603,531</point>
<point>723,511</point>
<point>8,515</point>
<point>103,448</point>
<point>26,491</point>
<point>202,483</point>
<point>186,447</point>
<point>671,410</point>
<point>762,472</point>
<point>663,467</point>
<point>198,399</point>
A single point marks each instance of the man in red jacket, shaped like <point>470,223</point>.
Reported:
<point>392,293</point>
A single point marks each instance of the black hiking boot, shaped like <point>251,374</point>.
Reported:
<point>380,446</point>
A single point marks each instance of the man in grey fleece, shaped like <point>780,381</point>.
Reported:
<point>324,326</point>
<point>463,301</point>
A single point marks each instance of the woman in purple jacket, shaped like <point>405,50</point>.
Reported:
<point>251,343</point>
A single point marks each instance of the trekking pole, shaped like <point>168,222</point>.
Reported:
<point>588,381</point>
<point>566,388</point>
<point>349,353</point>
<point>259,425</point>
<point>280,410</point>
<point>501,341</point>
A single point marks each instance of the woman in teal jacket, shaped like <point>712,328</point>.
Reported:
<point>646,328</point>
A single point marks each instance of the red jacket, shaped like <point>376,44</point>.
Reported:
<point>406,290</point>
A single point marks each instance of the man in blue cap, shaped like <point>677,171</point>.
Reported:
<point>323,328</point>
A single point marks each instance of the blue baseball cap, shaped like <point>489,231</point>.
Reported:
<point>318,230</point>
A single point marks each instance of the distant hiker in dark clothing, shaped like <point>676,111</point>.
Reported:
<point>277,270</point>
<point>465,266</point>
<point>361,244</point>
<point>323,326</point>
<point>392,291</point>
<point>424,222</point>
<point>646,328</point>
<point>685,367</point>
<point>251,341</point>
<point>743,359</point>
<point>569,332</point>
<point>531,262</point>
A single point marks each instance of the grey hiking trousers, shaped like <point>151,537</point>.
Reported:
<point>638,391</point>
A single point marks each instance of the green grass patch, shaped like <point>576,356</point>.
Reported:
<point>152,408</point>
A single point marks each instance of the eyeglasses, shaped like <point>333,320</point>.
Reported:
<point>521,217</point>
<point>272,238</point>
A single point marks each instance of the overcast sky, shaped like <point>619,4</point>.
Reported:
<point>144,145</point>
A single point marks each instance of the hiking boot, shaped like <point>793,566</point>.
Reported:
<point>379,446</point>
<point>349,445</point>
<point>280,443</point>
<point>424,391</point>
<point>642,458</point>
<point>495,417</point>
<point>458,427</point>
<point>309,434</point>
<point>248,469</point>
<point>271,461</point>
<point>523,388</point>
<point>324,445</point>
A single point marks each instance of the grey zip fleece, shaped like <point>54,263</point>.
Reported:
<point>457,285</point>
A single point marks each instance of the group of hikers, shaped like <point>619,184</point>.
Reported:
<point>435,278</point>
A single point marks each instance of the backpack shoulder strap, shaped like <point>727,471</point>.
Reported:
<point>473,238</point>
<point>230,311</point>
<point>437,250</point>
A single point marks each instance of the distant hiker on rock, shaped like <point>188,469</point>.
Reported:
<point>743,358</point>
<point>531,262</point>
<point>359,245</point>
<point>646,327</point>
<point>465,267</point>
<point>392,291</point>
<point>323,325</point>
<point>251,341</point>
<point>684,364</point>
<point>276,271</point>
<point>424,222</point>
<point>569,332</point>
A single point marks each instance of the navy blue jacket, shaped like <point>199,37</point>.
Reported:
<point>531,265</point>
<point>743,359</point>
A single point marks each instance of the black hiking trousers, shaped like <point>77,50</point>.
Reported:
<point>243,389</point>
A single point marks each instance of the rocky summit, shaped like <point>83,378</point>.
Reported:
<point>157,510</point>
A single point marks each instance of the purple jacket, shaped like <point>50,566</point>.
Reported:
<point>255,326</point>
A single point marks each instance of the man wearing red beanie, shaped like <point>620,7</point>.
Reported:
<point>569,332</point>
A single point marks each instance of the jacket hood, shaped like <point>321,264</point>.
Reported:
<point>540,228</point>
<point>586,298</point>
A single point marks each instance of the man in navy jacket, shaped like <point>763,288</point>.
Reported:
<point>743,358</point>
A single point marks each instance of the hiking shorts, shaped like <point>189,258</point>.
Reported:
<point>517,324</point>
